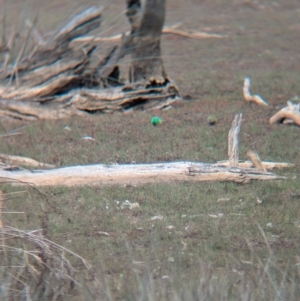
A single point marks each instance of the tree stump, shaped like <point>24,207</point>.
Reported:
<point>56,79</point>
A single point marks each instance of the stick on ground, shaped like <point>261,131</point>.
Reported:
<point>17,160</point>
<point>233,141</point>
<point>292,111</point>
<point>249,97</point>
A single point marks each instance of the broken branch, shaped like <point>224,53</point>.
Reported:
<point>17,160</point>
<point>292,111</point>
<point>249,97</point>
<point>253,156</point>
<point>267,165</point>
<point>233,140</point>
<point>193,34</point>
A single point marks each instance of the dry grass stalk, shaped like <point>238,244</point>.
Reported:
<point>292,111</point>
<point>249,97</point>
<point>253,156</point>
<point>36,268</point>
<point>233,141</point>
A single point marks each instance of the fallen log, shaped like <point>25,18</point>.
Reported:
<point>132,174</point>
<point>135,174</point>
<point>193,34</point>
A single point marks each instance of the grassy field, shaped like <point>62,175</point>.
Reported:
<point>185,241</point>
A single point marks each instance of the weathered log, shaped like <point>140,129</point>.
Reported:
<point>79,102</point>
<point>134,174</point>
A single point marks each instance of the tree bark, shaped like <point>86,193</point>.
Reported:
<point>147,20</point>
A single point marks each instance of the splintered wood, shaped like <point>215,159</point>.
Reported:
<point>249,97</point>
<point>136,174</point>
<point>233,141</point>
<point>56,80</point>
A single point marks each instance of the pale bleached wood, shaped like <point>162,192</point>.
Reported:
<point>135,174</point>
<point>254,157</point>
<point>193,34</point>
<point>145,95</point>
<point>249,97</point>
<point>267,165</point>
<point>233,140</point>
<point>292,111</point>
<point>17,160</point>
<point>54,84</point>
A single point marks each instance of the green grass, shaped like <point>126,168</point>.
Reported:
<point>204,248</point>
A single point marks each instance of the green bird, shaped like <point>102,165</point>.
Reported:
<point>156,120</point>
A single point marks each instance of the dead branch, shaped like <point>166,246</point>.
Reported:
<point>233,140</point>
<point>249,97</point>
<point>267,165</point>
<point>292,111</point>
<point>17,160</point>
<point>193,34</point>
<point>253,156</point>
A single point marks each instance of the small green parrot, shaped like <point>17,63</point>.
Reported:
<point>156,120</point>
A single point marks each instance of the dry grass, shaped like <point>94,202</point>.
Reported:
<point>215,241</point>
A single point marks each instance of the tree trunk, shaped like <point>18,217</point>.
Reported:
<point>147,20</point>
